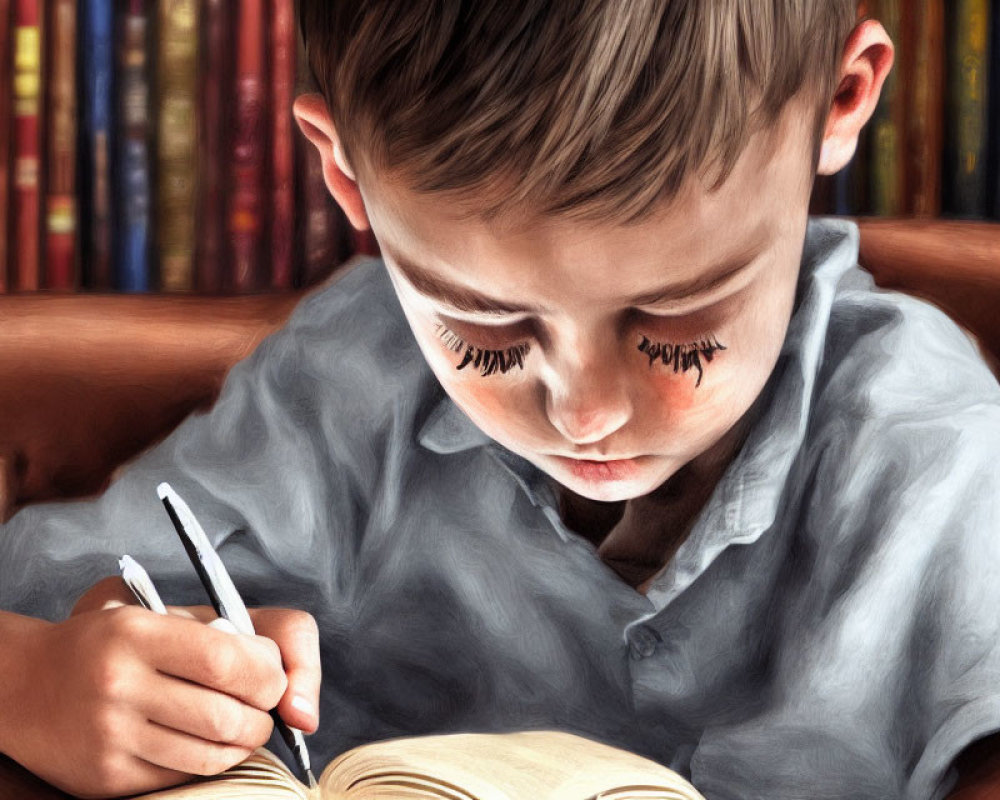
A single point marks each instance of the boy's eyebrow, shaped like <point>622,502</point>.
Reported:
<point>463,299</point>
<point>458,297</point>
<point>696,287</point>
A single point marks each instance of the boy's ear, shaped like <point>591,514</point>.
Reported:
<point>868,57</point>
<point>314,121</point>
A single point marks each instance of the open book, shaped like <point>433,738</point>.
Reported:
<point>529,765</point>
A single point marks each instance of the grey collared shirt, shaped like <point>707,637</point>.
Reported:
<point>829,629</point>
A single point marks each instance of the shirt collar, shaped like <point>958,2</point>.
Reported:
<point>448,430</point>
<point>746,502</point>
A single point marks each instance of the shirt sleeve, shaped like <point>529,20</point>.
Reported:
<point>955,627</point>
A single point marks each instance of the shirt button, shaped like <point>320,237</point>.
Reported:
<point>642,641</point>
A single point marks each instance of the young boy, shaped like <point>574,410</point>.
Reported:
<point>617,441</point>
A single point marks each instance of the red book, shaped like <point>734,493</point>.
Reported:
<point>27,143</point>
<point>60,218</point>
<point>282,142</point>
<point>210,247</point>
<point>246,209</point>
<point>5,84</point>
<point>923,71</point>
<point>364,243</point>
<point>321,230</point>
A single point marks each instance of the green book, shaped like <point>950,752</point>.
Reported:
<point>966,143</point>
<point>885,157</point>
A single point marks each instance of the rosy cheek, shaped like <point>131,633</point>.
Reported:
<point>676,392</point>
<point>499,408</point>
<point>486,400</point>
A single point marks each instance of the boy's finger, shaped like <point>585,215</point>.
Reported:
<point>108,593</point>
<point>133,776</point>
<point>297,637</point>
<point>204,614</point>
<point>246,667</point>
<point>212,716</point>
<point>180,752</point>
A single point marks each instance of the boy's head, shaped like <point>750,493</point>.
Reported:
<point>593,211</point>
<point>587,108</point>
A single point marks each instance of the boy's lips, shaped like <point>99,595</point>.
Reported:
<point>598,470</point>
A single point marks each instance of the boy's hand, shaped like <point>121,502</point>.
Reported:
<point>120,700</point>
<point>293,631</point>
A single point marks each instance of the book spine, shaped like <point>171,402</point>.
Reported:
<point>283,35</point>
<point>134,186</point>
<point>95,118</point>
<point>61,215</point>
<point>886,155</point>
<point>994,121</point>
<point>843,189</point>
<point>6,86</point>
<point>245,214</point>
<point>364,243</point>
<point>321,231</point>
<point>925,105</point>
<point>967,90</point>
<point>821,201</point>
<point>27,143</point>
<point>210,251</point>
<point>177,73</point>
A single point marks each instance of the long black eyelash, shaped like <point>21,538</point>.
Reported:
<point>681,356</point>
<point>488,362</point>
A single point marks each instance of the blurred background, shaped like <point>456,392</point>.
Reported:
<point>148,145</point>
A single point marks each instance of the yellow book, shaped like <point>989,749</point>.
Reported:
<point>968,90</point>
<point>177,83</point>
<point>528,765</point>
<point>886,157</point>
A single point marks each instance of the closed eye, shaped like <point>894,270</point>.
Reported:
<point>681,357</point>
<point>487,361</point>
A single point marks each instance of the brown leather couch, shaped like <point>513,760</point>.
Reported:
<point>86,382</point>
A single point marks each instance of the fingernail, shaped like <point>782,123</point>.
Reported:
<point>303,705</point>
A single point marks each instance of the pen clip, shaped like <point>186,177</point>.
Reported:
<point>211,571</point>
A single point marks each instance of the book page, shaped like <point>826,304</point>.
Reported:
<point>547,765</point>
<point>261,777</point>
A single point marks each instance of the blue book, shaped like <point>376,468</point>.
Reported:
<point>96,62</point>
<point>993,125</point>
<point>134,192</point>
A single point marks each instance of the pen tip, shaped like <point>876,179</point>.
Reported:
<point>312,779</point>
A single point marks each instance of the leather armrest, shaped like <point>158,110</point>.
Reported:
<point>86,382</point>
<point>954,264</point>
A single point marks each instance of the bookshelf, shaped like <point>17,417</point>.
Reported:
<point>932,149</point>
<point>147,146</point>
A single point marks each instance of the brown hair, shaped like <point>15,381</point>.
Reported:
<point>570,107</point>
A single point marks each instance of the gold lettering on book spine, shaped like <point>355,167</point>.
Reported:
<point>177,151</point>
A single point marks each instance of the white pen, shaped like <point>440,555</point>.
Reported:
<point>138,580</point>
<point>225,599</point>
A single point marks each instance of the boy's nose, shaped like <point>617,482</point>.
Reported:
<point>589,412</point>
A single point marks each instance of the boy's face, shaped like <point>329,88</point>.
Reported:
<point>613,355</point>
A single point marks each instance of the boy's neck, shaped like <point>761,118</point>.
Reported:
<point>636,538</point>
